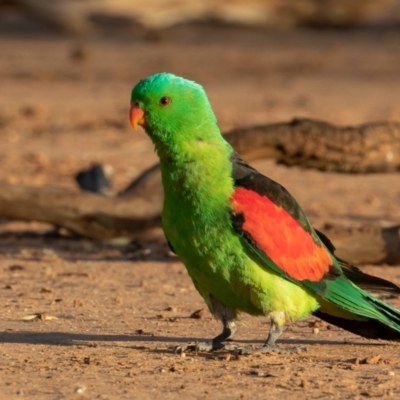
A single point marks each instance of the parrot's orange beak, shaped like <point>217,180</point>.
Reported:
<point>136,116</point>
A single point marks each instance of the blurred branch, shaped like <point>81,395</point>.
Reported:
<point>79,15</point>
<point>372,147</point>
<point>306,143</point>
<point>367,244</point>
<point>84,213</point>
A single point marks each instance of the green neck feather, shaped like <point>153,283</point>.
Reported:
<point>196,169</point>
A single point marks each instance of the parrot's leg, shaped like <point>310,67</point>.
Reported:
<point>224,314</point>
<point>229,329</point>
<point>277,325</point>
<point>278,321</point>
<point>227,316</point>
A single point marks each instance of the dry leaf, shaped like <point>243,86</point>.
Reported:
<point>198,313</point>
<point>16,267</point>
<point>38,316</point>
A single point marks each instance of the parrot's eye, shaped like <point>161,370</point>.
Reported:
<point>164,101</point>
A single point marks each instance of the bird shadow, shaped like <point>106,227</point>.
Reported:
<point>72,247</point>
<point>79,339</point>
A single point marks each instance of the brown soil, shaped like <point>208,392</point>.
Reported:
<point>121,309</point>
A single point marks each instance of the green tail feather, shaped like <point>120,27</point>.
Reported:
<point>369,328</point>
<point>347,306</point>
<point>368,282</point>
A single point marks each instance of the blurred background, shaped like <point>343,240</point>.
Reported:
<point>67,68</point>
<point>107,313</point>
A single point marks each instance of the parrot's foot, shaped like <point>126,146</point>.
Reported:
<point>235,349</point>
<point>268,349</point>
<point>199,346</point>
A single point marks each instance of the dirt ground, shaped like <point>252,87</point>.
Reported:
<point>111,315</point>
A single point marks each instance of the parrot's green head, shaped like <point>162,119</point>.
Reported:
<point>172,110</point>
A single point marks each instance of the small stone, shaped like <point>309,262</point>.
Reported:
<point>40,160</point>
<point>317,324</point>
<point>78,303</point>
<point>373,360</point>
<point>28,111</point>
<point>315,331</point>
<point>198,314</point>
<point>16,267</point>
<point>304,384</point>
<point>391,373</point>
<point>355,361</point>
<point>80,389</point>
<point>78,53</point>
<point>49,252</point>
<point>143,332</point>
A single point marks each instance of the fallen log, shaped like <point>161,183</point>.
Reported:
<point>310,144</point>
<point>366,244</point>
<point>307,143</point>
<point>80,16</point>
<point>84,213</point>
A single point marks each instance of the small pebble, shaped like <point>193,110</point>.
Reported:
<point>198,314</point>
<point>80,389</point>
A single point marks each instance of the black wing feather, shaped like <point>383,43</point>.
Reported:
<point>246,176</point>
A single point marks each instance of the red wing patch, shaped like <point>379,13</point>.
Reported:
<point>280,236</point>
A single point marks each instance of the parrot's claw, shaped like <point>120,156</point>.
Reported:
<point>268,350</point>
<point>235,349</point>
<point>198,346</point>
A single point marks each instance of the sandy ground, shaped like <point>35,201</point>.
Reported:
<point>121,310</point>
